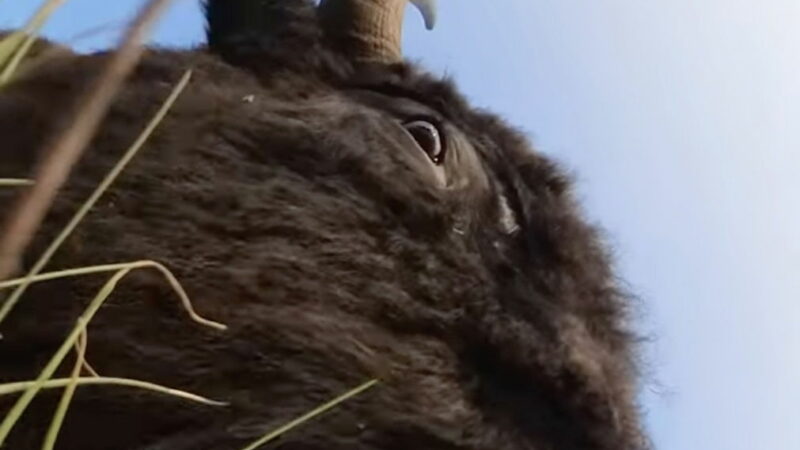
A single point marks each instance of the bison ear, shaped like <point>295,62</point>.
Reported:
<point>533,190</point>
<point>509,220</point>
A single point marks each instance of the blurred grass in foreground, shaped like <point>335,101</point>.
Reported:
<point>14,48</point>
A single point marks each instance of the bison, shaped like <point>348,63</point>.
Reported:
<point>348,217</point>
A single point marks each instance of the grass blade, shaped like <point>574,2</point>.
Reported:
<point>27,397</point>
<point>64,150</point>
<point>85,366</point>
<point>66,396</point>
<point>55,383</point>
<point>311,415</point>
<point>14,182</point>
<point>173,281</point>
<point>31,33</point>
<point>90,202</point>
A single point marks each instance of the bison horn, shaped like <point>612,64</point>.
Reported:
<point>371,29</point>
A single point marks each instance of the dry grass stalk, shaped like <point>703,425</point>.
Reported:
<point>14,182</point>
<point>11,301</point>
<point>66,147</point>
<point>56,383</point>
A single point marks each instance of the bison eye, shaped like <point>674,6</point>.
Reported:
<point>428,138</point>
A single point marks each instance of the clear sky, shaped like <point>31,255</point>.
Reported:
<point>681,122</point>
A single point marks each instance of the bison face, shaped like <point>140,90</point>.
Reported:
<point>348,217</point>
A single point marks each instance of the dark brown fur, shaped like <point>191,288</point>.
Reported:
<point>286,198</point>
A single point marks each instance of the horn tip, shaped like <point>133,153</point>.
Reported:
<point>428,10</point>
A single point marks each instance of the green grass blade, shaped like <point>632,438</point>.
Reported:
<point>11,301</point>
<point>9,45</point>
<point>29,37</point>
<point>69,391</point>
<point>311,415</point>
<point>173,281</point>
<point>55,383</point>
<point>14,182</point>
<point>27,397</point>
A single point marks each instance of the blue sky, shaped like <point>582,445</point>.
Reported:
<point>679,119</point>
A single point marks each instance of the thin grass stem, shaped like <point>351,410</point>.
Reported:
<point>12,300</point>
<point>31,34</point>
<point>56,383</point>
<point>14,182</point>
<point>171,279</point>
<point>69,391</point>
<point>65,148</point>
<point>26,398</point>
<point>311,415</point>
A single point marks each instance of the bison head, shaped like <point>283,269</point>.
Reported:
<point>348,217</point>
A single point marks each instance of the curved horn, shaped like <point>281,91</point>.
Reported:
<point>371,29</point>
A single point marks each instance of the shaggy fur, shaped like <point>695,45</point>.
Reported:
<point>288,199</point>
